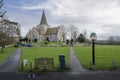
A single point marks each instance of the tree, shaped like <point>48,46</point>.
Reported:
<point>2,33</point>
<point>85,37</point>
<point>73,31</point>
<point>114,40</point>
<point>63,32</point>
<point>17,30</point>
<point>47,39</point>
<point>81,38</point>
<point>2,41</point>
<point>8,29</point>
<point>12,30</point>
<point>111,39</point>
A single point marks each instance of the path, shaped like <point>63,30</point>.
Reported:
<point>12,63</point>
<point>60,76</point>
<point>74,62</point>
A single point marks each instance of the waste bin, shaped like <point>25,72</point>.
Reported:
<point>62,63</point>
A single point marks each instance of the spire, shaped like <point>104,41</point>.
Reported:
<point>43,19</point>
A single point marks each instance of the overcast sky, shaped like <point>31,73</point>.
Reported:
<point>100,16</point>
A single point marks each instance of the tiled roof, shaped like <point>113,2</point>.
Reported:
<point>51,31</point>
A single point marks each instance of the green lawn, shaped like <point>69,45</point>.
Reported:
<point>51,52</point>
<point>104,56</point>
<point>7,52</point>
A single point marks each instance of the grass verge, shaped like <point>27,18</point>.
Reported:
<point>8,51</point>
<point>104,54</point>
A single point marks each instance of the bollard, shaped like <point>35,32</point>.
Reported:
<point>33,76</point>
<point>113,64</point>
<point>91,66</point>
<point>22,67</point>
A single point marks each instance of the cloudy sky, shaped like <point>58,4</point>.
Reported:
<point>100,16</point>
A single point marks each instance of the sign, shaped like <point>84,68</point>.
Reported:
<point>93,36</point>
<point>24,62</point>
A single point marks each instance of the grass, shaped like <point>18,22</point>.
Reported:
<point>7,52</point>
<point>49,44</point>
<point>51,52</point>
<point>103,56</point>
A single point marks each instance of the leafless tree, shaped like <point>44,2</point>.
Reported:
<point>85,36</point>
<point>73,31</point>
<point>2,34</point>
<point>8,29</point>
<point>63,32</point>
<point>12,30</point>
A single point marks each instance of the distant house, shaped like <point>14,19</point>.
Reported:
<point>43,32</point>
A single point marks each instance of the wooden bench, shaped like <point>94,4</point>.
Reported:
<point>44,63</point>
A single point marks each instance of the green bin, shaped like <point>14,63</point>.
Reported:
<point>62,63</point>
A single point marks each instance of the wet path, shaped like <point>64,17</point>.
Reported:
<point>12,63</point>
<point>74,63</point>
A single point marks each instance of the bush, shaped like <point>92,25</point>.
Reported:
<point>46,42</point>
<point>16,45</point>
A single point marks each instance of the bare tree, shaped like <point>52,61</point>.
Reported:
<point>114,40</point>
<point>8,29</point>
<point>2,34</point>
<point>85,37</point>
<point>73,31</point>
<point>63,32</point>
<point>12,30</point>
<point>2,41</point>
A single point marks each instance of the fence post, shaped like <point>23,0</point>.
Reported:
<point>22,67</point>
<point>113,64</point>
<point>30,66</point>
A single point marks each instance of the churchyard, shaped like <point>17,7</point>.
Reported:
<point>105,55</point>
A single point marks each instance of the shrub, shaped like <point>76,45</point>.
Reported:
<point>46,42</point>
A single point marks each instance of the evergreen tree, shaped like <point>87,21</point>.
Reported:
<point>81,38</point>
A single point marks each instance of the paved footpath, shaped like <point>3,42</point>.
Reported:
<point>74,63</point>
<point>12,63</point>
<point>59,76</point>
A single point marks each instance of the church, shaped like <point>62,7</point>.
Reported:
<point>44,32</point>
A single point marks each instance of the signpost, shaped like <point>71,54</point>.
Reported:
<point>93,37</point>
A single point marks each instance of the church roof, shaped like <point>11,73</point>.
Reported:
<point>52,31</point>
<point>43,19</point>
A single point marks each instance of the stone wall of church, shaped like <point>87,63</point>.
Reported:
<point>52,38</point>
<point>44,28</point>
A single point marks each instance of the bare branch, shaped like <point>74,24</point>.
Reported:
<point>1,1</point>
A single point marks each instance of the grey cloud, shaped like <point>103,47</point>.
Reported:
<point>101,16</point>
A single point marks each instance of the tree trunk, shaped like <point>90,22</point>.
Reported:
<point>2,48</point>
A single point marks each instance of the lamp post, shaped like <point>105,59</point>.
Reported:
<point>93,37</point>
